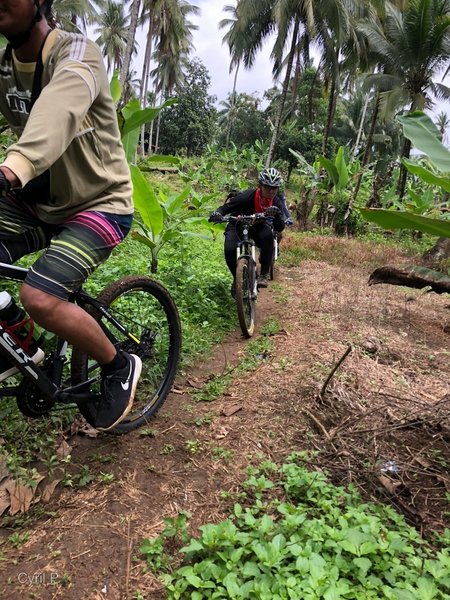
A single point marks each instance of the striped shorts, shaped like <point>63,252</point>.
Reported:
<point>72,250</point>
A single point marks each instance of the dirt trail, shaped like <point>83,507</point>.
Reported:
<point>389,400</point>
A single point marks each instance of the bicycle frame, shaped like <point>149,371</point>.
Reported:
<point>246,248</point>
<point>48,384</point>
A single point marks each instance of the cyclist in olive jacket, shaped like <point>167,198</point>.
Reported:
<point>263,199</point>
<point>65,186</point>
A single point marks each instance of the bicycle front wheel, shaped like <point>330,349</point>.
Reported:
<point>245,299</point>
<point>272,270</point>
<point>151,330</point>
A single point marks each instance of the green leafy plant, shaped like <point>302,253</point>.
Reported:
<point>131,117</point>
<point>85,476</point>
<point>223,454</point>
<point>18,539</point>
<point>421,130</point>
<point>295,535</point>
<point>337,171</point>
<point>162,219</point>
<point>194,446</point>
<point>147,432</point>
<point>106,477</point>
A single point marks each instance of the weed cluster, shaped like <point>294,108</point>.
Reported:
<point>295,535</point>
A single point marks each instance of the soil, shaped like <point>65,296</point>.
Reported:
<point>380,421</point>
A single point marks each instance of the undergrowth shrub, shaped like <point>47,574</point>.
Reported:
<point>296,536</point>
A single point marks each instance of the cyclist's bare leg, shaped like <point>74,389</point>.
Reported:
<point>68,321</point>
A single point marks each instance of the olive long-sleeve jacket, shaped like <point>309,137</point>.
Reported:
<point>71,131</point>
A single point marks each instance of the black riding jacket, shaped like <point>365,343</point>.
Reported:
<point>244,204</point>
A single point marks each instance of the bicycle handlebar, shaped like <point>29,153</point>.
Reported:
<point>246,219</point>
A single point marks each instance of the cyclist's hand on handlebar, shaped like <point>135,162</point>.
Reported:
<point>5,186</point>
<point>215,217</point>
<point>272,211</point>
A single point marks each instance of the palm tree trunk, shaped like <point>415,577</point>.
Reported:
<point>295,82</point>
<point>311,97</point>
<point>130,41</point>
<point>144,83</point>
<point>361,125</point>
<point>158,125</point>
<point>233,101</point>
<point>367,151</point>
<point>330,115</point>
<point>401,185</point>
<point>440,251</point>
<point>276,129</point>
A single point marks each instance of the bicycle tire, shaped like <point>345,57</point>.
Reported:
<point>272,270</point>
<point>245,300</point>
<point>146,308</point>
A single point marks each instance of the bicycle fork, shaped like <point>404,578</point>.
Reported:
<point>247,250</point>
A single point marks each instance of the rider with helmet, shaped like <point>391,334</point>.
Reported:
<point>65,185</point>
<point>263,199</point>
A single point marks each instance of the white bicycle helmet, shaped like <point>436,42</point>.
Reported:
<point>270,177</point>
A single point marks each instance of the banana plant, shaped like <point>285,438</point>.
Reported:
<point>424,134</point>
<point>159,219</point>
<point>338,171</point>
<point>163,219</point>
<point>131,117</point>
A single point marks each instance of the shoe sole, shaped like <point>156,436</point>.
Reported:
<point>137,374</point>
<point>37,358</point>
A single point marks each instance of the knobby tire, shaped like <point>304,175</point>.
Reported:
<point>245,302</point>
<point>272,270</point>
<point>147,310</point>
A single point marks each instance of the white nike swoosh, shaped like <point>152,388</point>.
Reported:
<point>126,385</point>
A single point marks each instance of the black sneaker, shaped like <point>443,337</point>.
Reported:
<point>117,392</point>
<point>7,368</point>
<point>262,281</point>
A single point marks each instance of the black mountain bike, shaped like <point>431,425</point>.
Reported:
<point>138,315</point>
<point>246,272</point>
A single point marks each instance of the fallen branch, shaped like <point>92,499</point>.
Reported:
<point>320,425</point>
<point>412,276</point>
<point>333,371</point>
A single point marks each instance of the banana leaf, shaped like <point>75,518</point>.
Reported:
<point>390,219</point>
<point>425,136</point>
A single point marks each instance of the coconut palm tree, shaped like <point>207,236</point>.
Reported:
<point>112,34</point>
<point>75,15</point>
<point>174,41</point>
<point>235,63</point>
<point>171,30</point>
<point>443,124</point>
<point>254,23</point>
<point>411,47</point>
<point>295,23</point>
<point>343,51</point>
<point>131,41</point>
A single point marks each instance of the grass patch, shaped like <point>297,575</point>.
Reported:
<point>297,247</point>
